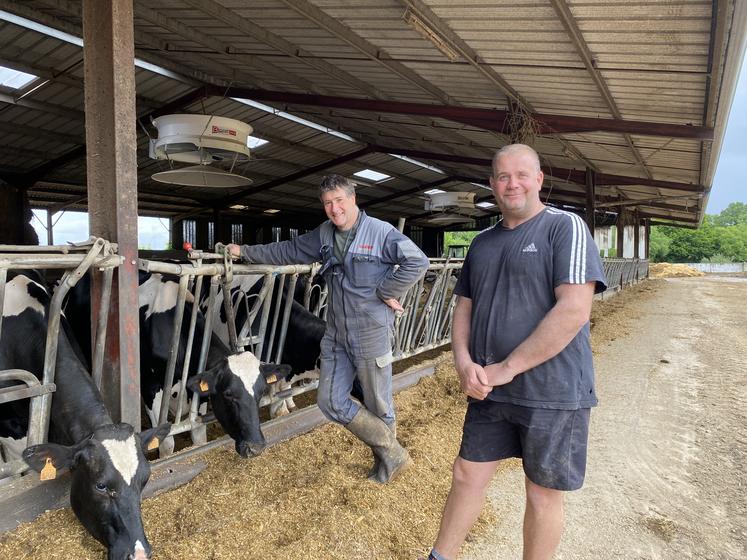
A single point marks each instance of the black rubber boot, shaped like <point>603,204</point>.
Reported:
<point>371,430</point>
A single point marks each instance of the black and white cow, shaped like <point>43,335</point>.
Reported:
<point>106,460</point>
<point>303,336</point>
<point>234,382</point>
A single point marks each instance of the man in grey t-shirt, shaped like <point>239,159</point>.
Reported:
<point>521,348</point>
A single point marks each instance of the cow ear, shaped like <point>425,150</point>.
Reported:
<point>274,372</point>
<point>152,437</point>
<point>60,456</point>
<point>203,383</point>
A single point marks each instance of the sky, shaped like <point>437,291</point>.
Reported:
<point>728,185</point>
<point>153,233</point>
<point>729,181</point>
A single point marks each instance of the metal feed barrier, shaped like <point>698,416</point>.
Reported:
<point>624,272</point>
<point>74,262</point>
<point>425,324</point>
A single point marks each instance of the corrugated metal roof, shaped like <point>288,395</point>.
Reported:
<point>653,61</point>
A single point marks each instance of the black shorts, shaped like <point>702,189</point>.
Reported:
<point>551,443</point>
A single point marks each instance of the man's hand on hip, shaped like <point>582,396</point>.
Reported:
<point>394,304</point>
<point>473,380</point>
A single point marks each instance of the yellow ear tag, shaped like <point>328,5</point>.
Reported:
<point>48,472</point>
<point>272,379</point>
<point>204,386</point>
<point>153,444</point>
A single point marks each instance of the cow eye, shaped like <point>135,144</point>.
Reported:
<point>101,487</point>
<point>228,394</point>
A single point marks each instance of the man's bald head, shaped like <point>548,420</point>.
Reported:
<point>515,149</point>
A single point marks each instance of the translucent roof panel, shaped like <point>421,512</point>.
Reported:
<point>15,79</point>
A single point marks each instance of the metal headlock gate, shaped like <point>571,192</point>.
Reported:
<point>74,262</point>
<point>425,325</point>
<point>622,272</point>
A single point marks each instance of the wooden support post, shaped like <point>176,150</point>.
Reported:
<point>201,234</point>
<point>177,234</point>
<point>15,227</point>
<point>111,161</point>
<point>590,198</point>
<point>220,231</point>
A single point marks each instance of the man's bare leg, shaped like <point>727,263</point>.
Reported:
<point>469,484</point>
<point>543,521</point>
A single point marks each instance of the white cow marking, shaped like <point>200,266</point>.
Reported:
<point>245,366</point>
<point>123,455</point>
<point>155,410</point>
<point>17,298</point>
<point>159,295</point>
<point>13,448</point>
<point>140,551</point>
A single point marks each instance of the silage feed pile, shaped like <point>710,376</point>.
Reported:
<point>307,498</point>
<point>669,270</point>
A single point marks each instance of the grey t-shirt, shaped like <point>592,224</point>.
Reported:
<point>510,276</point>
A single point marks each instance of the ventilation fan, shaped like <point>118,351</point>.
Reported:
<point>201,140</point>
<point>447,219</point>
<point>447,207</point>
<point>450,201</point>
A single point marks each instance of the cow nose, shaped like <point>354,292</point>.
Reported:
<point>247,449</point>
<point>141,552</point>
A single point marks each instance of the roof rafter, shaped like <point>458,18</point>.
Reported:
<point>577,38</point>
<point>569,175</point>
<point>486,70</point>
<point>231,18</point>
<point>488,119</point>
<point>242,194</point>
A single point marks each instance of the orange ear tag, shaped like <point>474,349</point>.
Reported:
<point>48,472</point>
<point>153,444</point>
<point>204,386</point>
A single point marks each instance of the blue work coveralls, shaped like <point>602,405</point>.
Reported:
<point>381,263</point>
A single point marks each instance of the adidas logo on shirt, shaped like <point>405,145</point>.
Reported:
<point>529,249</point>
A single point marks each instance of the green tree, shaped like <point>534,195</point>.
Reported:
<point>458,238</point>
<point>721,238</point>
<point>659,242</point>
<point>732,215</point>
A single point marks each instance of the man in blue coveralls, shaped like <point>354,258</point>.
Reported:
<point>521,347</point>
<point>368,266</point>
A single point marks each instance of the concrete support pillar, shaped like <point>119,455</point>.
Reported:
<point>111,161</point>
<point>647,236</point>
<point>590,198</point>
<point>636,236</point>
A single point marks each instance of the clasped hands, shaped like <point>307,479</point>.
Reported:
<point>477,381</point>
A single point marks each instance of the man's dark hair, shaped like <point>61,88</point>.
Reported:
<point>334,182</point>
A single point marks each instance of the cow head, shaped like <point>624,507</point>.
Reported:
<point>108,473</point>
<point>235,387</point>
